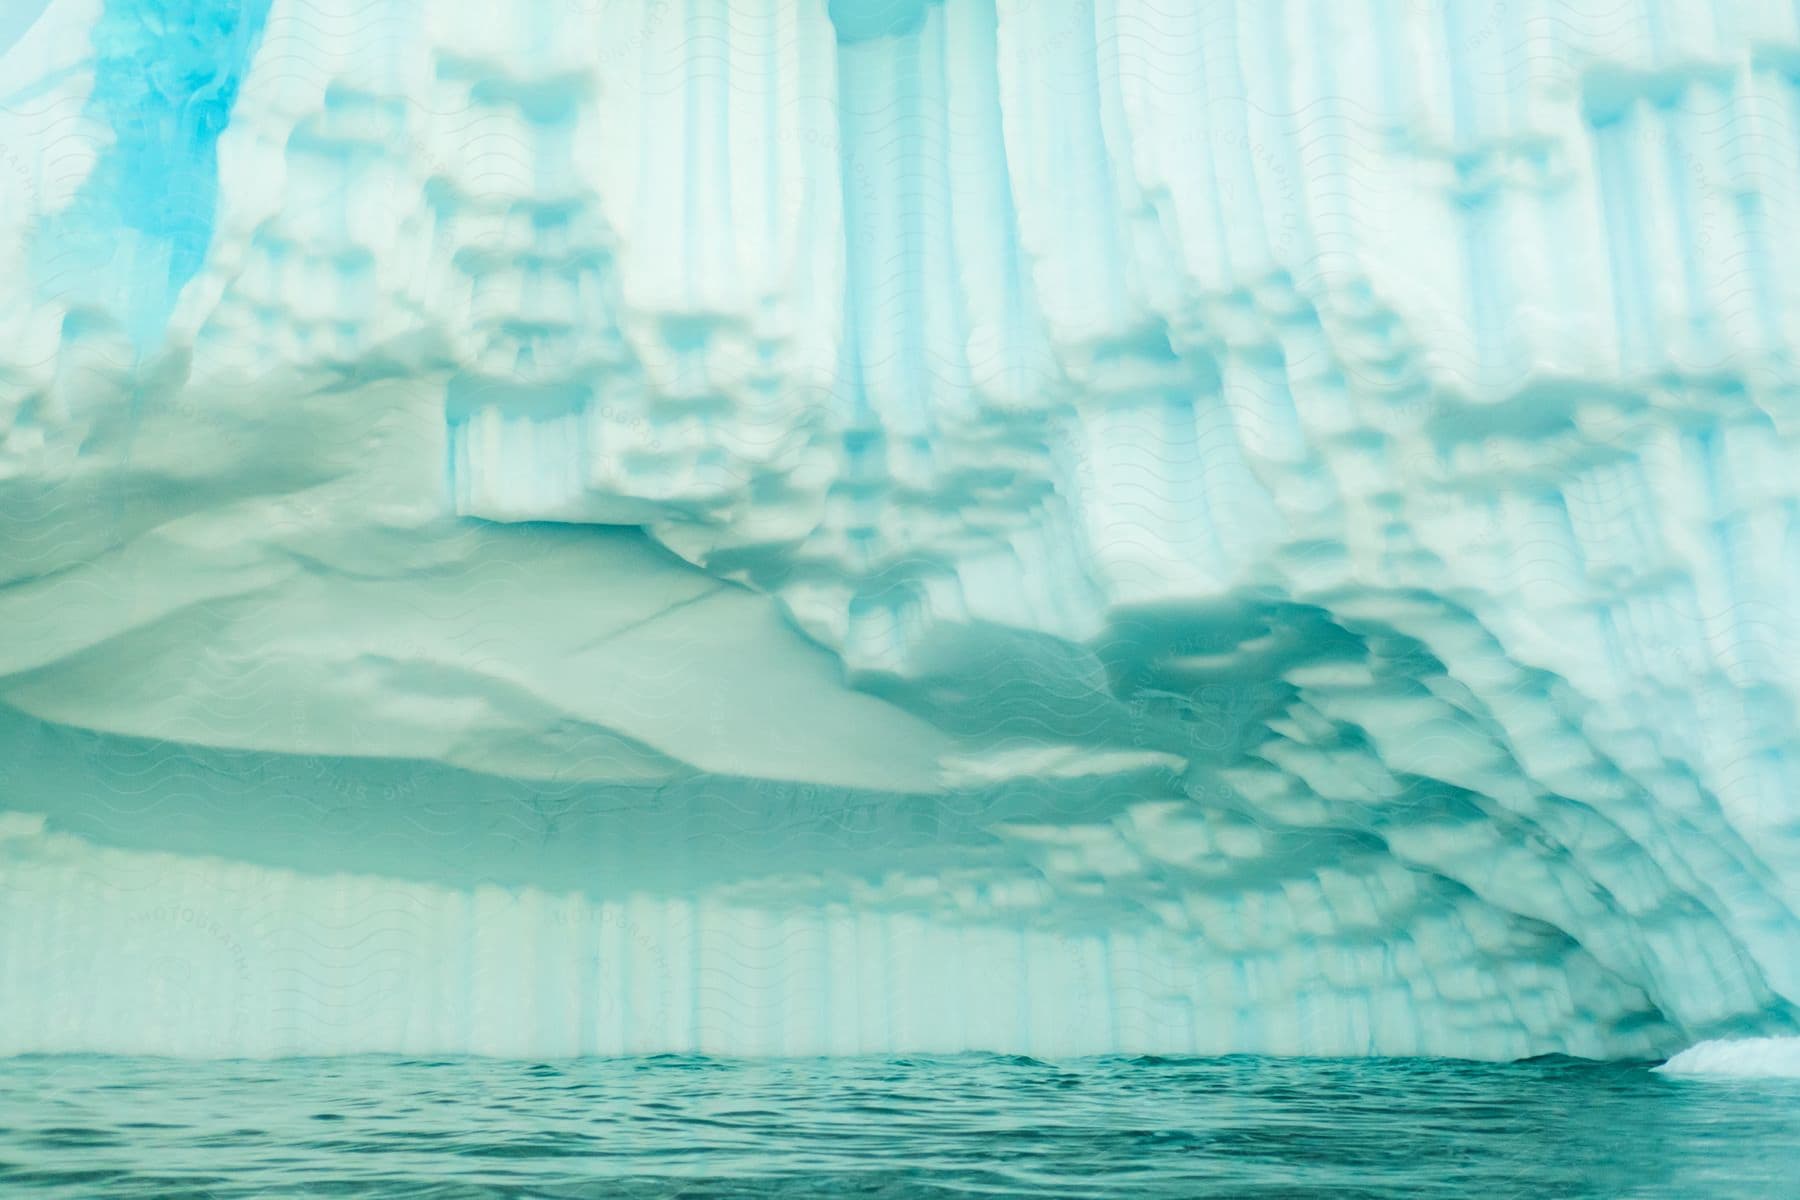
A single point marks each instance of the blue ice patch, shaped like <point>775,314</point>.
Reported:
<point>166,74</point>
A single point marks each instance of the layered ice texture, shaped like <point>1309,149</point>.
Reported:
<point>589,527</point>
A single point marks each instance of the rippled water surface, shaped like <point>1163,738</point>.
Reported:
<point>378,1126</point>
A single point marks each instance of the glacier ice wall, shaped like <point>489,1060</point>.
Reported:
<point>799,526</point>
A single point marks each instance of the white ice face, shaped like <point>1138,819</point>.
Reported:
<point>1739,1058</point>
<point>599,525</point>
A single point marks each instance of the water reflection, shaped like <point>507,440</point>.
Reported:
<point>691,1126</point>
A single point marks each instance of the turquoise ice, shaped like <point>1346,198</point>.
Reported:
<point>592,526</point>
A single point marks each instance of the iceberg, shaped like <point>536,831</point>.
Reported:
<point>888,525</point>
<point>1739,1058</point>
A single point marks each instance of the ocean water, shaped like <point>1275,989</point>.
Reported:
<point>96,1126</point>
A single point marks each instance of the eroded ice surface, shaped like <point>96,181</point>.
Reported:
<point>1040,527</point>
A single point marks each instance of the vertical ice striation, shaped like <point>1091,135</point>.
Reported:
<point>900,524</point>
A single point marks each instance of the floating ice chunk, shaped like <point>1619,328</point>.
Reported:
<point>1744,1058</point>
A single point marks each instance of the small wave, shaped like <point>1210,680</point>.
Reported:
<point>1769,1057</point>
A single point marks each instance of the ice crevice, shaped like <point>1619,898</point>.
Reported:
<point>918,524</point>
